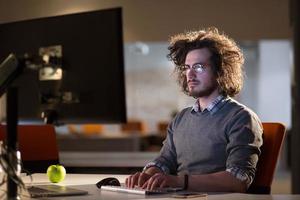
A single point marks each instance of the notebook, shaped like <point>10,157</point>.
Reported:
<point>138,190</point>
<point>53,191</point>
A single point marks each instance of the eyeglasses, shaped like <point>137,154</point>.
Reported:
<point>198,67</point>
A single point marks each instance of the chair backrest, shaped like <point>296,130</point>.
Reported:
<point>134,126</point>
<point>92,129</point>
<point>273,137</point>
<point>162,127</point>
<point>86,129</point>
<point>38,146</point>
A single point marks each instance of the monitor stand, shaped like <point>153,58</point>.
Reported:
<point>10,69</point>
<point>12,145</point>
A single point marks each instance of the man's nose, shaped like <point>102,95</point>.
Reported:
<point>190,73</point>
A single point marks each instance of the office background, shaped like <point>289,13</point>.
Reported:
<point>261,27</point>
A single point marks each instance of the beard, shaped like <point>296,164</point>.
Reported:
<point>202,92</point>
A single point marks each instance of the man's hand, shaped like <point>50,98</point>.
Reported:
<point>160,180</point>
<point>138,179</point>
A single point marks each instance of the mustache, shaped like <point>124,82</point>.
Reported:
<point>193,80</point>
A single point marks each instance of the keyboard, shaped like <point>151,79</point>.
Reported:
<point>138,190</point>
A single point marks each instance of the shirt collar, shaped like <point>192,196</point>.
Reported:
<point>213,107</point>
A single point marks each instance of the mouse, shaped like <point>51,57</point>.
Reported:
<point>108,181</point>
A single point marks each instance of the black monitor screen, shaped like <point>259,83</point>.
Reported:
<point>87,83</point>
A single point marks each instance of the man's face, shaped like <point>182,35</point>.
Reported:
<point>201,82</point>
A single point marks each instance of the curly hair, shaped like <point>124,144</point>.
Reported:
<point>227,59</point>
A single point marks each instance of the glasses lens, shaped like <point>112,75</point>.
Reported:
<point>198,67</point>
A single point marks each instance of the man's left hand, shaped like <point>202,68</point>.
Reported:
<point>160,180</point>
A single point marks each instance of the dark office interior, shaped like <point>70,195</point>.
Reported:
<point>267,31</point>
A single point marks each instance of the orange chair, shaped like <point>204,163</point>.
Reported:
<point>92,129</point>
<point>72,129</point>
<point>273,137</point>
<point>134,126</point>
<point>86,129</point>
<point>162,127</point>
<point>38,146</point>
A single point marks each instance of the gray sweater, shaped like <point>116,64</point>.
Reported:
<point>226,138</point>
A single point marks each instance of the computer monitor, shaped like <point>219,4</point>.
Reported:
<point>84,80</point>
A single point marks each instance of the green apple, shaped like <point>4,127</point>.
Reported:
<point>56,173</point>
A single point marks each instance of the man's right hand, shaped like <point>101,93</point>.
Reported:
<point>138,179</point>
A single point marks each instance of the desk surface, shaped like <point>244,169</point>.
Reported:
<point>87,182</point>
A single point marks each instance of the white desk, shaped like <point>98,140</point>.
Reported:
<point>87,182</point>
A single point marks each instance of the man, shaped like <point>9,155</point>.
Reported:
<point>214,145</point>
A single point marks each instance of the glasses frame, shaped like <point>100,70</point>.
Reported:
<point>197,67</point>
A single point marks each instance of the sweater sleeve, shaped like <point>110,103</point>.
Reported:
<point>167,159</point>
<point>243,149</point>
